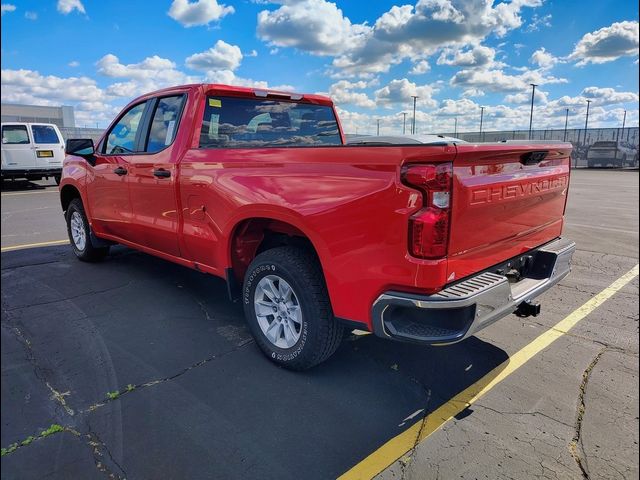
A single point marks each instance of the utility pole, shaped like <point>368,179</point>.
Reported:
<point>378,131</point>
<point>624,120</point>
<point>586,123</point>
<point>413,126</point>
<point>404,122</point>
<point>455,127</point>
<point>533,94</point>
<point>566,120</point>
<point>481,116</point>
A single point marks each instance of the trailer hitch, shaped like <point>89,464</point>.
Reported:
<point>528,309</point>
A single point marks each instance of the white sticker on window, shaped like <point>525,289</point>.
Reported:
<point>170,128</point>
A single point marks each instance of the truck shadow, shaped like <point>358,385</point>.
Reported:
<point>178,349</point>
<point>22,185</point>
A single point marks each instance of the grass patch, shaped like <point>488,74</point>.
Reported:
<point>113,395</point>
<point>53,429</point>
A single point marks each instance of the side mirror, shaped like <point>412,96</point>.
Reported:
<point>83,147</point>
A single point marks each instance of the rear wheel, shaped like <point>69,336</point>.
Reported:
<point>57,178</point>
<point>80,234</point>
<point>287,308</point>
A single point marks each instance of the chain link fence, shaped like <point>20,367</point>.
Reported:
<point>609,146</point>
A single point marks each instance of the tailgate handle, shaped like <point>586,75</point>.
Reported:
<point>533,158</point>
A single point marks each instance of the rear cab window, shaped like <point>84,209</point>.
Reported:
<point>44,134</point>
<point>232,122</point>
<point>15,135</point>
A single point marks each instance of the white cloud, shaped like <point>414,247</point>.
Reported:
<point>522,98</point>
<point>228,77</point>
<point>420,30</point>
<point>478,56</point>
<point>607,44</point>
<point>420,68</point>
<point>7,8</point>
<point>400,91</point>
<point>67,6</point>
<point>74,63</point>
<point>342,93</point>
<point>609,96</point>
<point>200,12</point>
<point>222,56</point>
<point>543,59</point>
<point>29,86</point>
<point>29,15</point>
<point>499,81</point>
<point>538,22</point>
<point>150,74</point>
<point>315,26</point>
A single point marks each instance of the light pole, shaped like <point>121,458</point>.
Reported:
<point>586,123</point>
<point>378,130</point>
<point>413,126</point>
<point>566,120</point>
<point>481,117</point>
<point>533,94</point>
<point>455,126</point>
<point>404,122</point>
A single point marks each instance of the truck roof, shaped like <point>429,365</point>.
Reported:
<point>232,90</point>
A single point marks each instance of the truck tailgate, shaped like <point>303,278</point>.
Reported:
<point>507,198</point>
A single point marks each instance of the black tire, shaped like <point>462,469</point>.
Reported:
<point>57,178</point>
<point>320,333</point>
<point>88,253</point>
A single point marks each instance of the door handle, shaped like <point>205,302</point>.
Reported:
<point>120,171</point>
<point>161,173</point>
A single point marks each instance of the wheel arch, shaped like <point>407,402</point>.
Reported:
<point>67,193</point>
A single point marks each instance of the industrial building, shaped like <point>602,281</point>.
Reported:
<point>61,116</point>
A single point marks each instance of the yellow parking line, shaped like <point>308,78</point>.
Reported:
<point>34,245</point>
<point>404,442</point>
<point>29,193</point>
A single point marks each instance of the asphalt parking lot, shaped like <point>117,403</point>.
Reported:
<point>149,372</point>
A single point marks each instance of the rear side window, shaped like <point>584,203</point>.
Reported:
<point>245,122</point>
<point>15,135</point>
<point>164,123</point>
<point>122,137</point>
<point>44,134</point>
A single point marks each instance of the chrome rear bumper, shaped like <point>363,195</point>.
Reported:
<point>466,307</point>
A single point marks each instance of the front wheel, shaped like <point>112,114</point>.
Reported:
<point>80,234</point>
<point>287,308</point>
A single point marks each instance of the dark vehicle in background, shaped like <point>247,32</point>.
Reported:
<point>612,153</point>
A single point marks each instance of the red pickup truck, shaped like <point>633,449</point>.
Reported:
<point>416,241</point>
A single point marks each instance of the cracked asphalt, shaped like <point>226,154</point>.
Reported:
<point>150,372</point>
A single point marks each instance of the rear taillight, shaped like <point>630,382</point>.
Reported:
<point>429,228</point>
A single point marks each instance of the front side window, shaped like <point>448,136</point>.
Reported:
<point>44,134</point>
<point>15,135</point>
<point>246,122</point>
<point>122,137</point>
<point>164,123</point>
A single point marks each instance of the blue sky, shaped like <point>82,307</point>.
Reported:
<point>369,56</point>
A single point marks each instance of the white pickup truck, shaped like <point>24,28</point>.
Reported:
<point>32,151</point>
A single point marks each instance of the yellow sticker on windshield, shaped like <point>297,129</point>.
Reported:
<point>214,102</point>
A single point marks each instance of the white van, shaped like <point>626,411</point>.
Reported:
<point>31,151</point>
